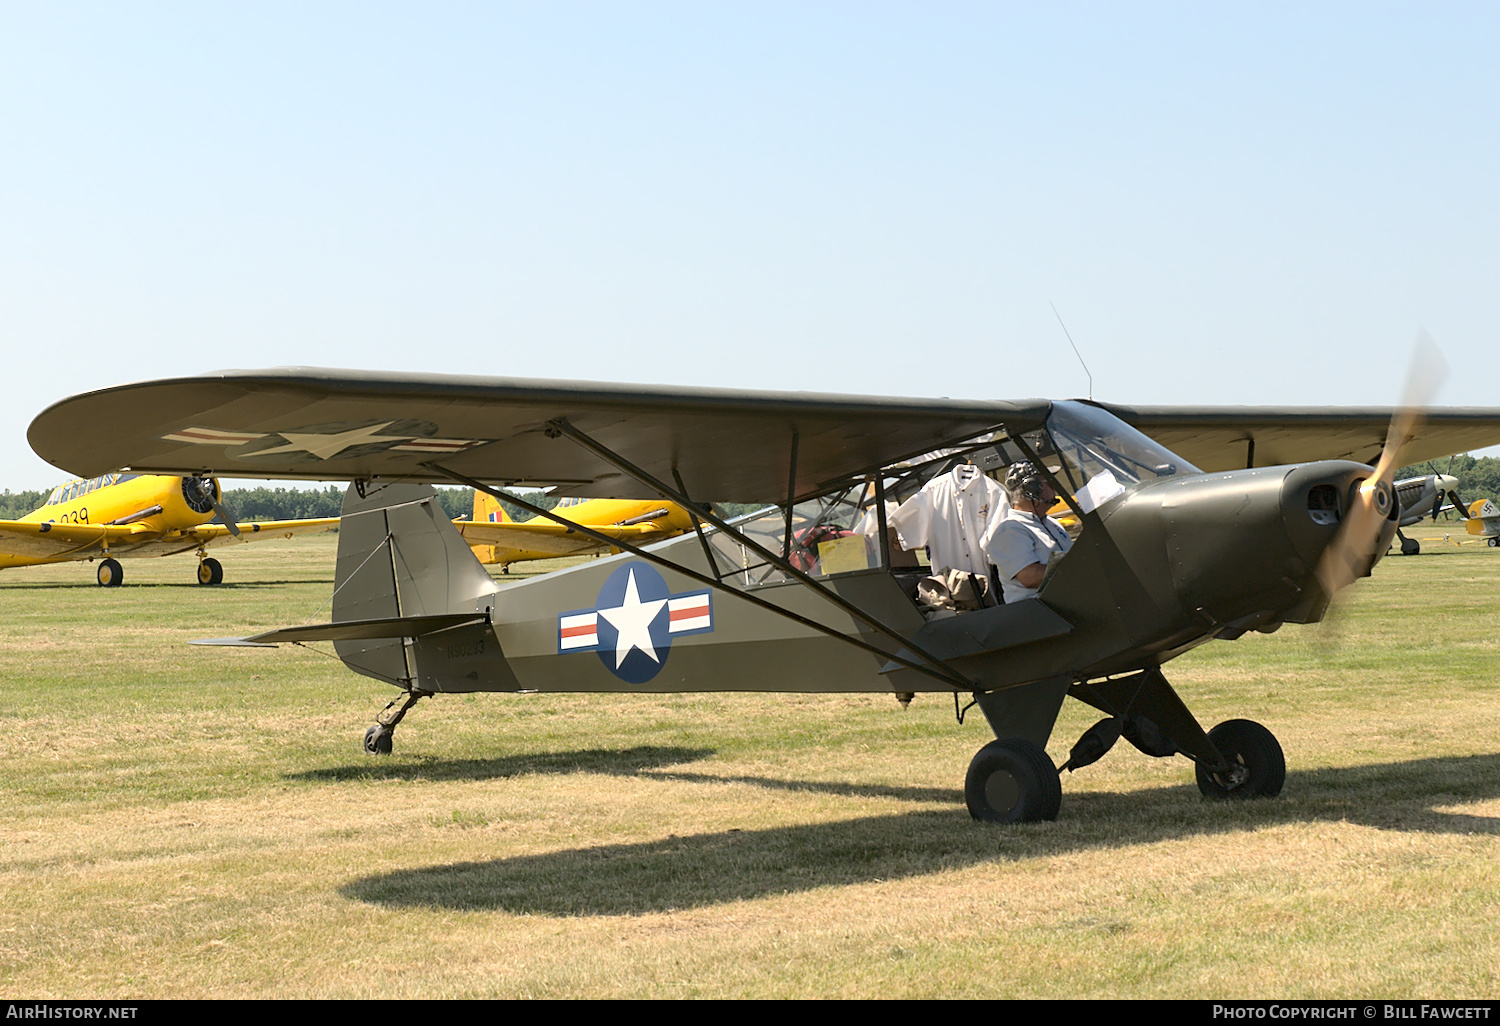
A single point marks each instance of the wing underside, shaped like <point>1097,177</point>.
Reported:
<point>326,425</point>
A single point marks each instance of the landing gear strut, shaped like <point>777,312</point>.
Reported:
<point>379,738</point>
<point>210,571</point>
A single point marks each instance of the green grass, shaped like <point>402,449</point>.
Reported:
<point>190,822</point>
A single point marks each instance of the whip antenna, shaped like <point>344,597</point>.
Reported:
<point>1075,348</point>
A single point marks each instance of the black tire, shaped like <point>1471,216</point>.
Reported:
<point>210,571</point>
<point>1410,546</point>
<point>378,740</point>
<point>110,573</point>
<point>1012,781</point>
<point>1495,543</point>
<point>1259,765</point>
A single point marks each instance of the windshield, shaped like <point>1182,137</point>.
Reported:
<point>1098,455</point>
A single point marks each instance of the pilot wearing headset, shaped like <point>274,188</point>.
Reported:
<point>1020,543</point>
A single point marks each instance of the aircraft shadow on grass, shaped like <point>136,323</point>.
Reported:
<point>621,762</point>
<point>735,865</point>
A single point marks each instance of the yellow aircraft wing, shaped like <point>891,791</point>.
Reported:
<point>218,534</point>
<point>32,540</point>
<point>541,535</point>
<point>43,541</point>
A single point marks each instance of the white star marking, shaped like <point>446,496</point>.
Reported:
<point>328,446</point>
<point>632,618</point>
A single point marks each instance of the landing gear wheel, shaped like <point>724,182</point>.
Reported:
<point>378,740</point>
<point>1410,546</point>
<point>1495,543</point>
<point>1257,766</point>
<point>1012,781</point>
<point>110,573</point>
<point>210,571</point>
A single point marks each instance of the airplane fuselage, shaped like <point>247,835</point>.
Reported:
<point>159,504</point>
<point>1154,572</point>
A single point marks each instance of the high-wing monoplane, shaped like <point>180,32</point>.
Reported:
<point>497,539</point>
<point>123,515</point>
<point>1172,558</point>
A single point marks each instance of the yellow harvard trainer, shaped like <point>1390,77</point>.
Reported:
<point>495,538</point>
<point>133,515</point>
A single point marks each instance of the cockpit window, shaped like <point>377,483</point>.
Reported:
<point>1098,456</point>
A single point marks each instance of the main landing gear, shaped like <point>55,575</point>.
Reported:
<point>1254,764</point>
<point>380,737</point>
<point>210,571</point>
<point>110,573</point>
<point>1013,780</point>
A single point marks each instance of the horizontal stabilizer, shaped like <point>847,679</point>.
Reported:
<point>355,630</point>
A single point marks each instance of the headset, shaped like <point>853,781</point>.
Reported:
<point>1026,480</point>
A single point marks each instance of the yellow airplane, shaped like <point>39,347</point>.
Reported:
<point>496,538</point>
<point>133,515</point>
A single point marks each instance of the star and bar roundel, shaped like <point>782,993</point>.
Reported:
<point>634,621</point>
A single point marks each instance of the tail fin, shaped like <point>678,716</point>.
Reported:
<point>487,509</point>
<point>400,557</point>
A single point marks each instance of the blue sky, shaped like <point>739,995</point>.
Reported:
<point>1227,203</point>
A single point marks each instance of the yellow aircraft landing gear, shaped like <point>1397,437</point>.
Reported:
<point>210,571</point>
<point>110,573</point>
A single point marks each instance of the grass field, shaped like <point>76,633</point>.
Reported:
<point>184,822</point>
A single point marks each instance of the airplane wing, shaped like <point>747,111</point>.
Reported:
<point>322,425</point>
<point>1234,437</point>
<point>218,534</point>
<point>40,540</point>
<point>726,445</point>
<point>546,536</point>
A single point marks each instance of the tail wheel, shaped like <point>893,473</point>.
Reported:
<point>210,571</point>
<point>1257,767</point>
<point>110,573</point>
<point>378,740</point>
<point>1012,780</point>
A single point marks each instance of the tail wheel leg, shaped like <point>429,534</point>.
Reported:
<point>379,738</point>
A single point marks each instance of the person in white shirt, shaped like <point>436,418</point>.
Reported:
<point>1021,542</point>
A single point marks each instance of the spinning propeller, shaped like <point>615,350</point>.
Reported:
<point>1352,552</point>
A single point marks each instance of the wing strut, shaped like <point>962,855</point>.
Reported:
<point>779,562</point>
<point>934,667</point>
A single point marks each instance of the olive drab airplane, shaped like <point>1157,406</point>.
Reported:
<point>121,515</point>
<point>1210,523</point>
<point>495,538</point>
